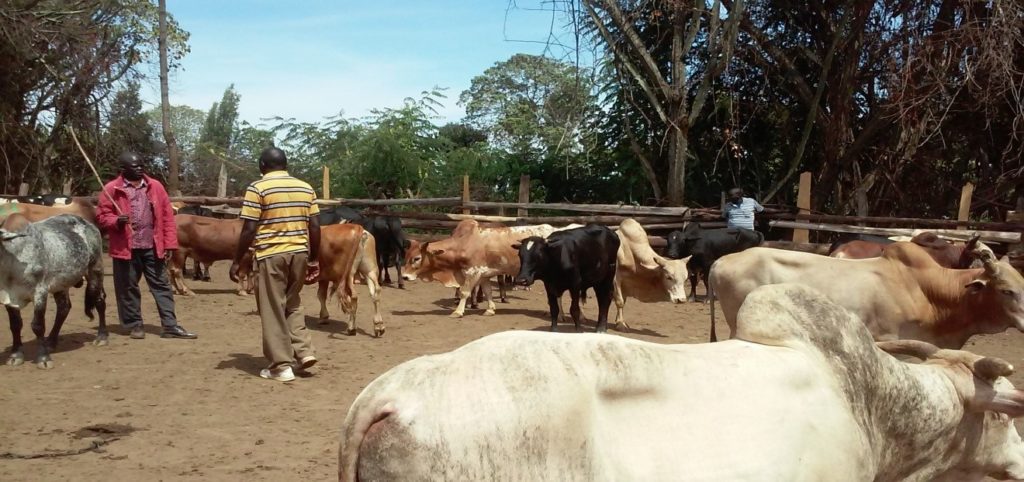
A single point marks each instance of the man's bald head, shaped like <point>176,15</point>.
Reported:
<point>131,165</point>
<point>273,159</point>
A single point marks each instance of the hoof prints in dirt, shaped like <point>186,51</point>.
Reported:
<point>100,435</point>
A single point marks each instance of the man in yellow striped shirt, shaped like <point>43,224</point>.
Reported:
<point>281,225</point>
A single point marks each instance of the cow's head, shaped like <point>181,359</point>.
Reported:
<point>680,243</point>
<point>990,403</point>
<point>418,259</point>
<point>673,275</point>
<point>533,258</point>
<point>1000,288</point>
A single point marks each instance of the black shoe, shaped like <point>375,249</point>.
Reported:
<point>137,333</point>
<point>178,332</point>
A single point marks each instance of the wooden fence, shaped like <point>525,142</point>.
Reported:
<point>654,218</point>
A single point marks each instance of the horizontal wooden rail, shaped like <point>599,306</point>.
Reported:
<point>915,222</point>
<point>957,235</point>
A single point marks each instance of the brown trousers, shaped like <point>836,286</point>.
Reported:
<point>279,280</point>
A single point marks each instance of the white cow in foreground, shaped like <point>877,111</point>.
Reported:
<point>806,397</point>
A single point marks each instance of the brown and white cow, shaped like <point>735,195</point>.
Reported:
<point>803,395</point>
<point>447,278</point>
<point>205,240</point>
<point>472,255</point>
<point>38,212</point>
<point>644,275</point>
<point>944,252</point>
<point>347,249</point>
<point>904,294</point>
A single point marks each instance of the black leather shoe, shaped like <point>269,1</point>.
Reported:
<point>137,333</point>
<point>178,332</point>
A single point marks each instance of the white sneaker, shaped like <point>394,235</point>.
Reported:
<point>283,375</point>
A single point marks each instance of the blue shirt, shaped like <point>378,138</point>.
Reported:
<point>741,215</point>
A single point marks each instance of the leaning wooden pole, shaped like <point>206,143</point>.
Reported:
<point>965,203</point>
<point>803,202</point>
<point>465,194</point>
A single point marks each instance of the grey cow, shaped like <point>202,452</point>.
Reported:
<point>50,257</point>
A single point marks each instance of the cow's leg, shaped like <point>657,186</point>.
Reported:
<point>382,265</point>
<point>197,269</point>
<point>475,295</point>
<point>574,307</point>
<point>466,288</point>
<point>399,261</point>
<point>321,295</point>
<point>694,279</point>
<point>503,288</point>
<point>554,305</point>
<point>174,268</point>
<point>17,355</point>
<point>620,305</point>
<point>485,285</point>
<point>63,302</point>
<point>604,301</point>
<point>707,289</point>
<point>373,286</point>
<point>96,297</point>
<point>43,359</point>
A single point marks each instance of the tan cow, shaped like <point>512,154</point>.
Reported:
<point>347,249</point>
<point>38,212</point>
<point>644,275</point>
<point>205,240</point>
<point>903,294</point>
<point>803,395</point>
<point>472,255</point>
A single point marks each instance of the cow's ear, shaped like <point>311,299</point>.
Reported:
<point>975,286</point>
<point>6,235</point>
<point>405,244</point>
<point>437,252</point>
<point>516,246</point>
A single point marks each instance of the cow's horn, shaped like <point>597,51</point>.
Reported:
<point>991,368</point>
<point>914,348</point>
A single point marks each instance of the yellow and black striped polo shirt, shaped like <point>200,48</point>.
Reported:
<point>282,205</point>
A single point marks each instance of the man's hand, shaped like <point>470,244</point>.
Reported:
<point>233,272</point>
<point>312,272</point>
<point>169,253</point>
<point>122,220</point>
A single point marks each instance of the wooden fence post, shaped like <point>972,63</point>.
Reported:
<point>222,181</point>
<point>66,190</point>
<point>965,204</point>
<point>803,201</point>
<point>524,194</point>
<point>326,186</point>
<point>465,194</point>
<point>23,189</point>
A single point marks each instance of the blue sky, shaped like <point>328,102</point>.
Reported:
<point>308,59</point>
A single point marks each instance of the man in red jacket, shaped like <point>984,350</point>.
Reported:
<point>140,237</point>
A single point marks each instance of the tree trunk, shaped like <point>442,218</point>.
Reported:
<point>165,107</point>
<point>677,166</point>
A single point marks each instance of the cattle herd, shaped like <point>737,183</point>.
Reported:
<point>841,367</point>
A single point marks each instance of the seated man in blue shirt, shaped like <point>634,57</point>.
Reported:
<point>738,211</point>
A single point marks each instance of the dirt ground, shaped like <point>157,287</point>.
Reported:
<point>158,409</point>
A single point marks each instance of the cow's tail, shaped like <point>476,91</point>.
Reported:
<point>711,291</point>
<point>353,434</point>
<point>95,296</point>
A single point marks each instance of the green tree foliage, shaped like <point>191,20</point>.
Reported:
<point>60,62</point>
<point>128,127</point>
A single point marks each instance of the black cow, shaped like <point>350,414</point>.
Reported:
<point>573,260</point>
<point>706,246</point>
<point>386,231</point>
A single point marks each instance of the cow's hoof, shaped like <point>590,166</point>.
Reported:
<point>455,315</point>
<point>324,321</point>
<point>350,332</point>
<point>44,363</point>
<point>489,313</point>
<point>378,331</point>
<point>101,340</point>
<point>621,326</point>
<point>401,286</point>
<point>504,300</point>
<point>15,359</point>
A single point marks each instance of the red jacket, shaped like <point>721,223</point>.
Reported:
<point>165,230</point>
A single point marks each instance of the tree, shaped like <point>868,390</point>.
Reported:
<point>59,63</point>
<point>128,128</point>
<point>666,55</point>
<point>165,103</point>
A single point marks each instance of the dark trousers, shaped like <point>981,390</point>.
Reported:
<point>126,288</point>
